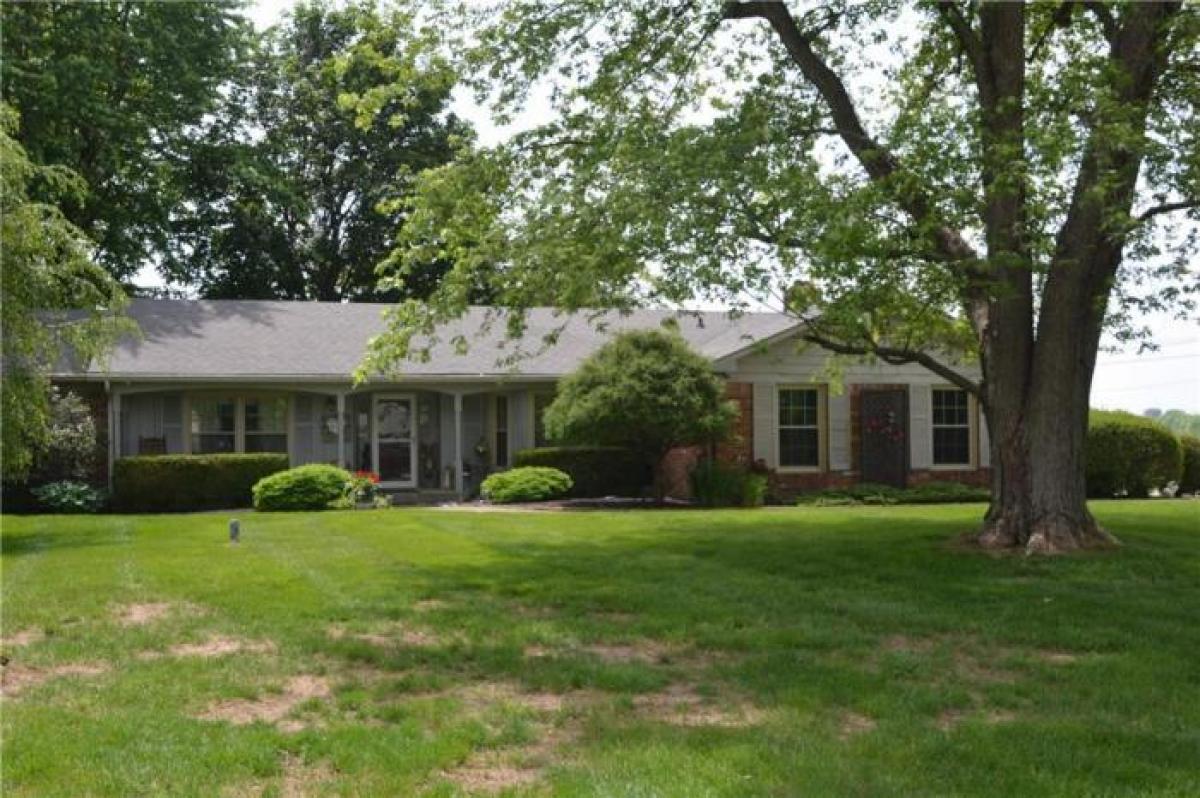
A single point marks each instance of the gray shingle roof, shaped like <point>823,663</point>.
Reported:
<point>212,339</point>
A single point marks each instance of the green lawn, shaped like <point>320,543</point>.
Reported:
<point>836,651</point>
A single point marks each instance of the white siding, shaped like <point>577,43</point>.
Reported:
<point>839,432</point>
<point>920,403</point>
<point>785,363</point>
<point>765,439</point>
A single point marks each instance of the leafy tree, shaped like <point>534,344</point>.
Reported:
<point>1180,422</point>
<point>646,391</point>
<point>112,91</point>
<point>70,448</point>
<point>914,181</point>
<point>302,187</point>
<point>55,299</point>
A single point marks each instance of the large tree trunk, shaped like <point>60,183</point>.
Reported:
<point>1037,403</point>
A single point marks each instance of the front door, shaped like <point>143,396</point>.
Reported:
<point>883,431</point>
<point>393,445</point>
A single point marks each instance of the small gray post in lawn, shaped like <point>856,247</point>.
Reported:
<point>235,530</point>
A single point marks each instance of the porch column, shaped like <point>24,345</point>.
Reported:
<point>341,416</point>
<point>112,436</point>
<point>458,458</point>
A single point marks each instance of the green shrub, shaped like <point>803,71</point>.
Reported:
<point>872,494</point>
<point>526,484</point>
<point>717,484</point>
<point>306,487</point>
<point>70,497</point>
<point>182,482</point>
<point>945,493</point>
<point>1189,481</point>
<point>595,471</point>
<point>1129,455</point>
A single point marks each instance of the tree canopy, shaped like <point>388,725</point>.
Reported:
<point>114,92</point>
<point>994,180</point>
<point>646,391</point>
<point>299,178</point>
<point>55,299</point>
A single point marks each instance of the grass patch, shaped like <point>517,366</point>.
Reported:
<point>806,650</point>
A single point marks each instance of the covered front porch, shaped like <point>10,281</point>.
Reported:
<point>426,441</point>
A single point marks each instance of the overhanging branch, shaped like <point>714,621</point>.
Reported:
<point>895,356</point>
<point>876,160</point>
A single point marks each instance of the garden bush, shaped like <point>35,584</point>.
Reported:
<point>70,497</point>
<point>717,484</point>
<point>873,494</point>
<point>1189,481</point>
<point>526,484</point>
<point>306,487</point>
<point>1129,455</point>
<point>595,471</point>
<point>182,482</point>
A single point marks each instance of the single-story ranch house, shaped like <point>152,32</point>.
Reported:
<point>256,376</point>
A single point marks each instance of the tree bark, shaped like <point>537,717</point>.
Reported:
<point>1036,376</point>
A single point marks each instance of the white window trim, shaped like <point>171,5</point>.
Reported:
<point>972,432</point>
<point>822,428</point>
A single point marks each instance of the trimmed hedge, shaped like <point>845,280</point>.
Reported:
<point>182,482</point>
<point>717,484</point>
<point>526,484</point>
<point>1129,455</point>
<point>596,471</point>
<point>1189,482</point>
<point>306,487</point>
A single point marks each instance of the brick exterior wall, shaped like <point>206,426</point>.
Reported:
<point>784,487</point>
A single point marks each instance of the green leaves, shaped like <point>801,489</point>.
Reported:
<point>56,301</point>
<point>646,391</point>
<point>313,157</point>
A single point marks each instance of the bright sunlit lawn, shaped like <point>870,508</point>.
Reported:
<point>837,651</point>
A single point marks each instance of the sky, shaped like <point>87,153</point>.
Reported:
<point>1165,378</point>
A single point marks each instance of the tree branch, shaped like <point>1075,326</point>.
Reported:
<point>967,37</point>
<point>895,356</point>
<point>879,164</point>
<point>1167,207</point>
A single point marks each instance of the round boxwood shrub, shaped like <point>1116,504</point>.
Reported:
<point>1128,455</point>
<point>528,484</point>
<point>1189,482</point>
<point>307,487</point>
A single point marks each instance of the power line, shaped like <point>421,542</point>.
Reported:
<point>1147,359</point>
<point>1147,386</point>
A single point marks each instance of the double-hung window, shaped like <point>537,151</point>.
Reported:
<point>266,424</point>
<point>214,424</point>
<point>800,428</point>
<point>951,427</point>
